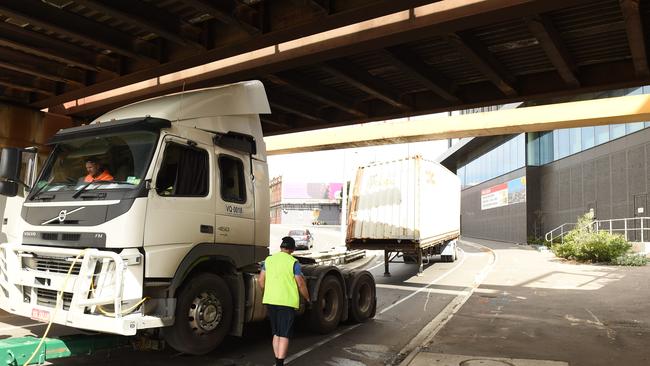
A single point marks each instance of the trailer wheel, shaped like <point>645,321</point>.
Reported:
<point>327,310</point>
<point>363,301</point>
<point>204,312</point>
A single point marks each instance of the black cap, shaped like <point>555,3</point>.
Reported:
<point>288,243</point>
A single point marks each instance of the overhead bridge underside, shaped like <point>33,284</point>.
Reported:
<point>324,63</point>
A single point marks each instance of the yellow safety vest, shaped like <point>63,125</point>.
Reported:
<point>280,285</point>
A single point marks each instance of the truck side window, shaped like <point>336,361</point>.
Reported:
<point>233,185</point>
<point>184,172</point>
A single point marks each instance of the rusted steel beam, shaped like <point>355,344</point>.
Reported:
<point>226,12</point>
<point>75,26</point>
<point>146,17</point>
<point>280,103</point>
<point>26,83</point>
<point>362,80</point>
<point>316,92</point>
<point>43,68</point>
<point>635,37</point>
<point>543,29</point>
<point>475,53</point>
<point>47,47</point>
<point>454,16</point>
<point>413,66</point>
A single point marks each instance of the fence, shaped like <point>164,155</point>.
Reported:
<point>635,229</point>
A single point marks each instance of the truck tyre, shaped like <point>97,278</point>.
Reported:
<point>364,301</point>
<point>326,312</point>
<point>203,315</point>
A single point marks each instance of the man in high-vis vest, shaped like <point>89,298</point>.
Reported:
<point>282,281</point>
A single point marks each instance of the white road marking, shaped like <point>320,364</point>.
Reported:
<point>428,290</point>
<point>426,335</point>
<point>433,282</point>
<point>332,337</point>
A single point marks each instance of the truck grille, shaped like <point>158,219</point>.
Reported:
<point>48,298</point>
<point>70,237</point>
<point>50,236</point>
<point>52,264</point>
<point>64,236</point>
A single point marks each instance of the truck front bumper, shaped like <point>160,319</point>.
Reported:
<point>47,284</point>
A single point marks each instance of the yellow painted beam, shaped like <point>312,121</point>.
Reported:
<point>635,108</point>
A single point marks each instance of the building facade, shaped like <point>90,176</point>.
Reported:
<point>521,186</point>
<point>296,203</point>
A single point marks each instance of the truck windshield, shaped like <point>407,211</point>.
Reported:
<point>111,161</point>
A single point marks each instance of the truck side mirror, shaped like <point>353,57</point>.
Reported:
<point>10,159</point>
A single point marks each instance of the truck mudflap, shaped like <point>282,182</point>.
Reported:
<point>101,290</point>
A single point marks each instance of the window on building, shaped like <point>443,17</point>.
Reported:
<point>587,137</point>
<point>616,131</point>
<point>575,138</point>
<point>633,127</point>
<point>503,159</point>
<point>184,172</point>
<point>602,134</point>
<point>233,183</point>
<point>563,143</point>
<point>546,148</point>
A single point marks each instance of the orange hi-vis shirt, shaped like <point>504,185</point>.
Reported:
<point>103,176</point>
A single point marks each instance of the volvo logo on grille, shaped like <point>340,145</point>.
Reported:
<point>62,215</point>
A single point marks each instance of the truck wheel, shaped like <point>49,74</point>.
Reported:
<point>363,301</point>
<point>326,312</point>
<point>204,314</point>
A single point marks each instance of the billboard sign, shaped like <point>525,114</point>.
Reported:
<point>504,194</point>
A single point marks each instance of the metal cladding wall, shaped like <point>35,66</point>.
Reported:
<point>408,199</point>
<point>503,223</point>
<point>612,178</point>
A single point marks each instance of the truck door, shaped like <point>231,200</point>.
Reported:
<point>180,209</point>
<point>235,210</point>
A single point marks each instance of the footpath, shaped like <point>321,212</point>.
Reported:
<point>536,309</point>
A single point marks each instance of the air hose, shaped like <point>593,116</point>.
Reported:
<point>59,298</point>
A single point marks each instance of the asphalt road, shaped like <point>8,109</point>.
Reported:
<point>325,237</point>
<point>406,304</point>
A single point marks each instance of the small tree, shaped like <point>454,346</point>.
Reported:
<point>583,243</point>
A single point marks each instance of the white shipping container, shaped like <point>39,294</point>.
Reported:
<point>404,202</point>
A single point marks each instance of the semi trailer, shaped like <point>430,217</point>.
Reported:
<point>408,207</point>
<point>169,241</point>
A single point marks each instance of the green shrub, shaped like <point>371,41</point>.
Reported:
<point>630,259</point>
<point>585,244</point>
<point>533,240</point>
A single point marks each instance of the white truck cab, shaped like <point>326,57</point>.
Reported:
<point>156,215</point>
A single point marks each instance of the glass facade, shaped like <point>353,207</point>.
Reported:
<point>546,147</point>
<point>541,148</point>
<point>509,156</point>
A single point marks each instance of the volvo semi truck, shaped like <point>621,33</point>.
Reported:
<point>155,216</point>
